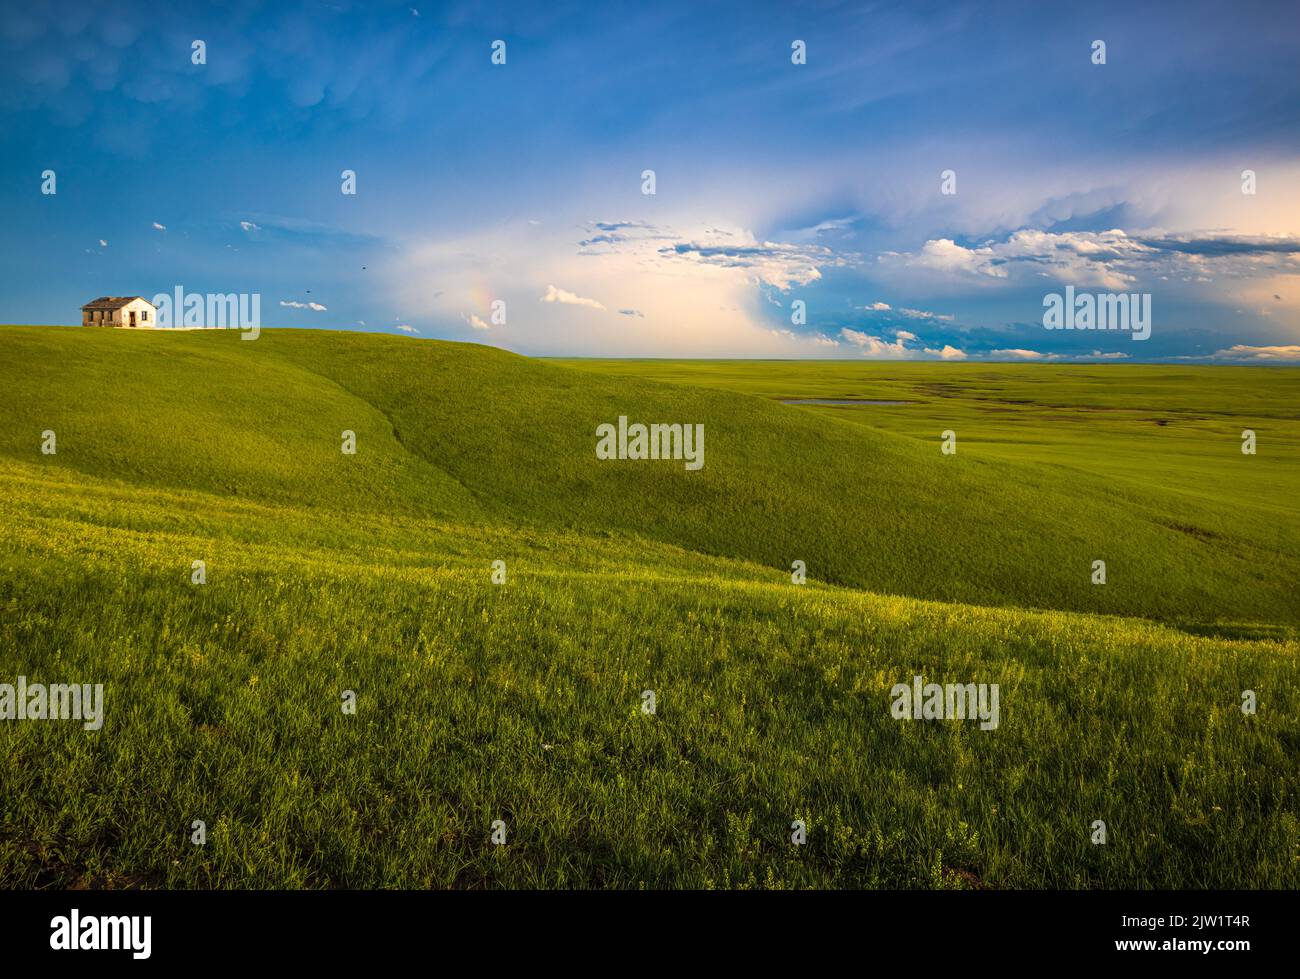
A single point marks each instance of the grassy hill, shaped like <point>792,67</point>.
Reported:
<point>522,701</point>
<point>473,433</point>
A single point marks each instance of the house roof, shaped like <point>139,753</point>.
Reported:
<point>113,302</point>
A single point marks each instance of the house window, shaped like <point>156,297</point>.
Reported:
<point>144,316</point>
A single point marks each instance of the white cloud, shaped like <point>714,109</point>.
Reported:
<point>249,226</point>
<point>1080,258</point>
<point>554,295</point>
<point>103,243</point>
<point>159,227</point>
<point>921,314</point>
<point>1244,352</point>
<point>947,352</point>
<point>878,307</point>
<point>405,328</point>
<point>1018,353</point>
<point>317,307</point>
<point>779,264</point>
<point>475,321</point>
<point>691,307</point>
<point>831,224</point>
<point>874,346</point>
<point>816,339</point>
<point>1114,260</point>
<point>945,255</point>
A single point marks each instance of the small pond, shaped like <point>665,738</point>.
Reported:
<point>831,401</point>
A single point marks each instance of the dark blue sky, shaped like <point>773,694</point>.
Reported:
<point>775,182</point>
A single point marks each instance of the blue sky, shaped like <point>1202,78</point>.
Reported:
<point>774,182</point>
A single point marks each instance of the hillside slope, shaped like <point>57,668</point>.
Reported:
<point>329,575</point>
<point>523,702</point>
<point>479,435</point>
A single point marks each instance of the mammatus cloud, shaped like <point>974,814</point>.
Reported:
<point>293,304</point>
<point>91,67</point>
<point>554,295</point>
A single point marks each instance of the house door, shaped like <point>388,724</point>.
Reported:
<point>133,317</point>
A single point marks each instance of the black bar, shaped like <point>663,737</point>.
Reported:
<point>332,928</point>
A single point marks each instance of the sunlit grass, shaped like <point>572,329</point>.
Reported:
<point>522,701</point>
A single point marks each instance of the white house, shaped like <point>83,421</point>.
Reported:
<point>119,311</point>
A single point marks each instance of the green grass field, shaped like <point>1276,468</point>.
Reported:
<point>522,702</point>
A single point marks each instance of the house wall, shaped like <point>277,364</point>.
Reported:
<point>98,317</point>
<point>139,306</point>
<point>122,316</point>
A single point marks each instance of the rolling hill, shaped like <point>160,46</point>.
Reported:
<point>523,701</point>
<point>477,434</point>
